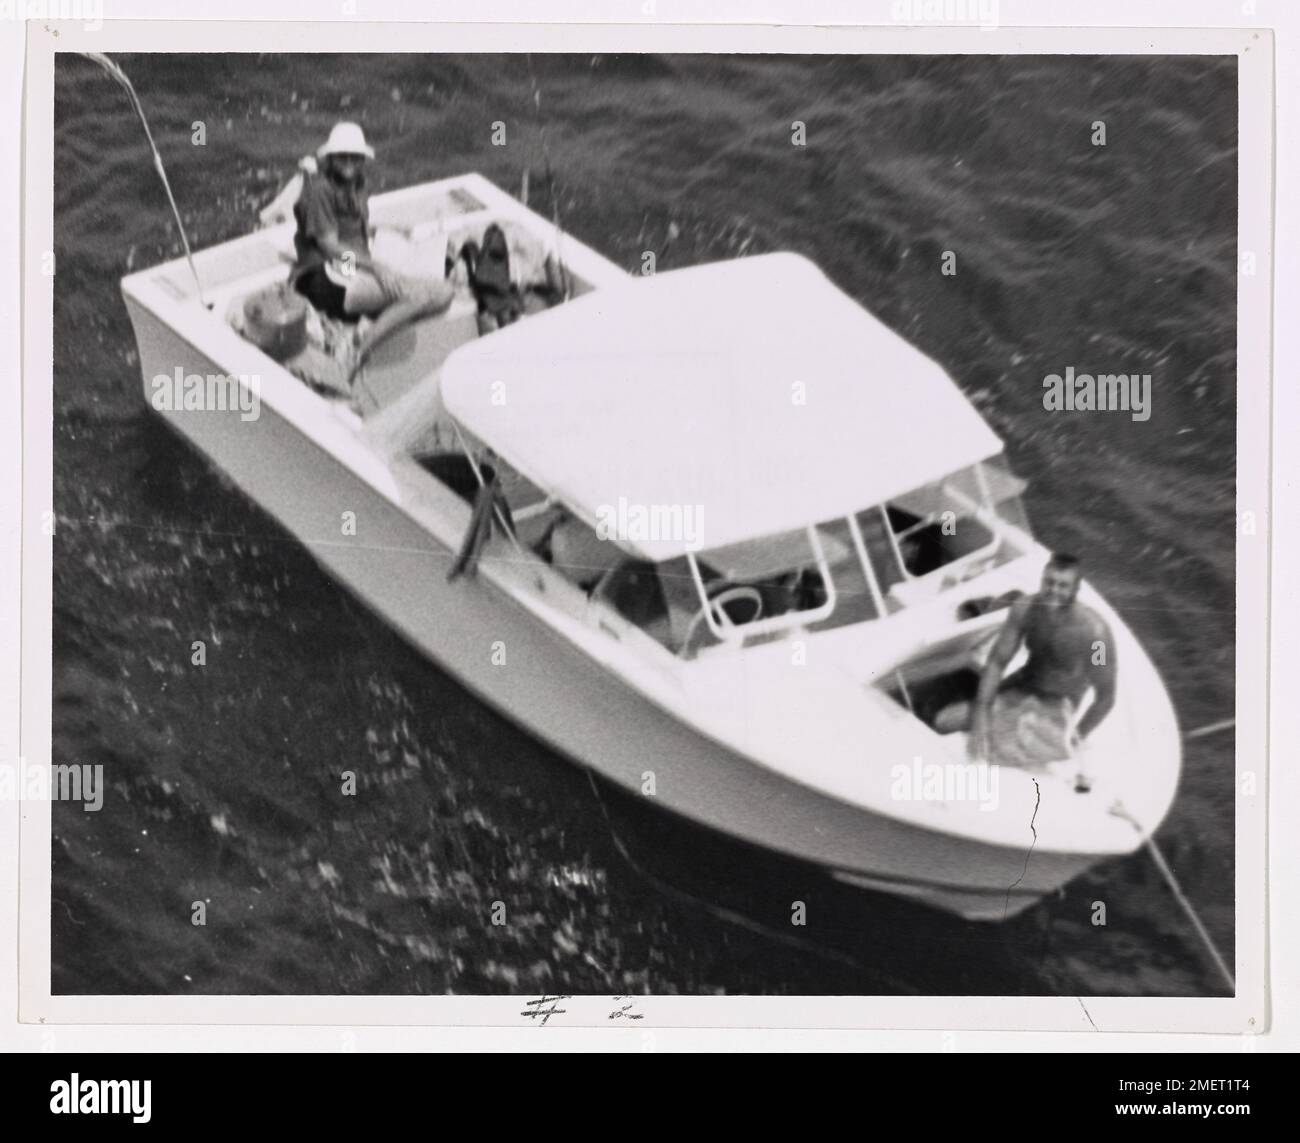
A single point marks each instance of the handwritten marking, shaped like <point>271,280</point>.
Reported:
<point>626,1013</point>
<point>544,1013</point>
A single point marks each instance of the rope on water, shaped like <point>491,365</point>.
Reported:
<point>1168,874</point>
<point>1211,728</point>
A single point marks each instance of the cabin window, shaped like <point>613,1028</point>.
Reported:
<point>455,471</point>
<point>572,548</point>
<point>855,601</point>
<point>658,599</point>
<point>881,550</point>
<point>970,521</point>
<point>753,591</point>
<point>759,595</point>
<point>634,591</point>
<point>1005,491</point>
<point>940,523</point>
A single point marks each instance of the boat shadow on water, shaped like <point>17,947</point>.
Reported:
<point>861,942</point>
<point>876,944</point>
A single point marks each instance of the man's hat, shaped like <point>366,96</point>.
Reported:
<point>346,139</point>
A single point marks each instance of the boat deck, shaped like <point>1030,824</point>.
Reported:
<point>431,218</point>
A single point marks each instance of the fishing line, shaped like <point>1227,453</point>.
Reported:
<point>550,179</point>
<point>119,76</point>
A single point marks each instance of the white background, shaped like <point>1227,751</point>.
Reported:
<point>1284,888</point>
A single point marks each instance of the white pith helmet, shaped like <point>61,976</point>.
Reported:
<point>346,139</point>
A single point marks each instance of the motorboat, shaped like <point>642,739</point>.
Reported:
<point>716,533</point>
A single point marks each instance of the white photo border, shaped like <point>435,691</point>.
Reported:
<point>1247,1012</point>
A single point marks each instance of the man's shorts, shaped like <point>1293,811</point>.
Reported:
<point>325,295</point>
<point>328,289</point>
<point>1028,730</point>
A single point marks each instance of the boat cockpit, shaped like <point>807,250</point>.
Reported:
<point>836,574</point>
<point>880,561</point>
<point>428,232</point>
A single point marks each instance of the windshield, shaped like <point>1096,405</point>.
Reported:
<point>838,573</point>
<point>944,533</point>
<point>742,593</point>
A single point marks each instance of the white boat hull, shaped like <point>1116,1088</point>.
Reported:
<point>309,467</point>
<point>558,692</point>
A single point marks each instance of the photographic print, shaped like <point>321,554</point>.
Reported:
<point>547,524</point>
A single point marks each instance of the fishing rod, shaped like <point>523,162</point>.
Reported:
<point>550,181</point>
<point>119,76</point>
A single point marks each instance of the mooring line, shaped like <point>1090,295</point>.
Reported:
<point>1211,728</point>
<point>1168,874</point>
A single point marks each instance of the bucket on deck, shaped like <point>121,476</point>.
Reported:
<point>275,320</point>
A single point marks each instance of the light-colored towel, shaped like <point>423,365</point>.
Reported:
<point>1025,730</point>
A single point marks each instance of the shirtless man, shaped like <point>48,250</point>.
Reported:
<point>1062,636</point>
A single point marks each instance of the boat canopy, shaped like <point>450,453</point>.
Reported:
<point>747,398</point>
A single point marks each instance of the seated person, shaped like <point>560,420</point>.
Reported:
<point>1028,717</point>
<point>334,269</point>
<point>500,301</point>
<point>578,553</point>
<point>510,274</point>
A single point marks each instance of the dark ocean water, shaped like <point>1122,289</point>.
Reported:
<point>223,779</point>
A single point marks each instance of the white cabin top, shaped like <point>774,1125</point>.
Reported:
<point>753,393</point>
